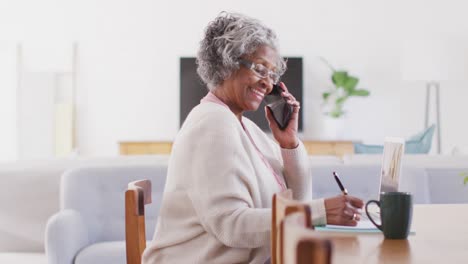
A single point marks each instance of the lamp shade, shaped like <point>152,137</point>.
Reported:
<point>433,59</point>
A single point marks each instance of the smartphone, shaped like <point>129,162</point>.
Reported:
<point>279,107</point>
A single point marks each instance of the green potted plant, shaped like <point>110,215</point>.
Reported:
<point>344,87</point>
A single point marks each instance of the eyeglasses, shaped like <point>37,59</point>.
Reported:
<point>260,70</point>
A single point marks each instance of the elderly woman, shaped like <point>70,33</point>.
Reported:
<point>223,169</point>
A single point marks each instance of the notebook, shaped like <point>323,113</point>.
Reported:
<point>391,164</point>
<point>390,172</point>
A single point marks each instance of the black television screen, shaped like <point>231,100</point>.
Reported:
<point>192,89</point>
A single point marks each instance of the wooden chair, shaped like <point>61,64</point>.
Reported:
<point>283,205</point>
<point>301,244</point>
<point>138,194</point>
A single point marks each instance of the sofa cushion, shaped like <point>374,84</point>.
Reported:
<point>360,148</point>
<point>98,193</point>
<point>421,142</point>
<point>417,144</point>
<point>112,252</point>
<point>446,185</point>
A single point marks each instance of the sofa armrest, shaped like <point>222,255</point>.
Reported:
<point>66,234</point>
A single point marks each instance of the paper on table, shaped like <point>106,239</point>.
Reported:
<point>362,226</point>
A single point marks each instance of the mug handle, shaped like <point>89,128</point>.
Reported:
<point>368,215</point>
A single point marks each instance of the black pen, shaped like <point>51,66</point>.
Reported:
<point>337,179</point>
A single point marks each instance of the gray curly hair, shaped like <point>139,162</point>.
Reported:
<point>227,38</point>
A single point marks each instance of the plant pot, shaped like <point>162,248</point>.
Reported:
<point>333,128</point>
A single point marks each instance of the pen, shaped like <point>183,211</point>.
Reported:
<point>337,179</point>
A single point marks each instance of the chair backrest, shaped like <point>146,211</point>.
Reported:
<point>301,244</point>
<point>137,195</point>
<point>283,205</point>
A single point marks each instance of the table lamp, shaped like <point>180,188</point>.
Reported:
<point>433,61</point>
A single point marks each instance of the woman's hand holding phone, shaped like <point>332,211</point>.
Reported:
<point>286,137</point>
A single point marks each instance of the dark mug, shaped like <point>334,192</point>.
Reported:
<point>396,211</point>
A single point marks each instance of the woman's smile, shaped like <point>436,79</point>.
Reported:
<point>258,93</point>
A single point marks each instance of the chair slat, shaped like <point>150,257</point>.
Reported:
<point>303,245</point>
<point>283,205</point>
<point>137,195</point>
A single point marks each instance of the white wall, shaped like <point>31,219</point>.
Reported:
<point>8,83</point>
<point>129,50</point>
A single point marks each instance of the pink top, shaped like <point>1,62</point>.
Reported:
<point>210,97</point>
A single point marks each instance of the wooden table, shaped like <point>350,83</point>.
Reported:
<point>441,236</point>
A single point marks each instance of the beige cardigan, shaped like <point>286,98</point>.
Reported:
<point>216,206</point>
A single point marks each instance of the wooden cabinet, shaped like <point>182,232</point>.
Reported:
<point>145,147</point>
<point>336,148</point>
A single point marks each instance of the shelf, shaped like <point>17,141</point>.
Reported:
<point>314,147</point>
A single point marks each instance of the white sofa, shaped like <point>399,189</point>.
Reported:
<point>34,188</point>
<point>30,196</point>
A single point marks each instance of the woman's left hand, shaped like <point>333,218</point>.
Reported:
<point>286,138</point>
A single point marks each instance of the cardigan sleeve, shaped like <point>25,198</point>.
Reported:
<point>298,178</point>
<point>222,187</point>
<point>296,172</point>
